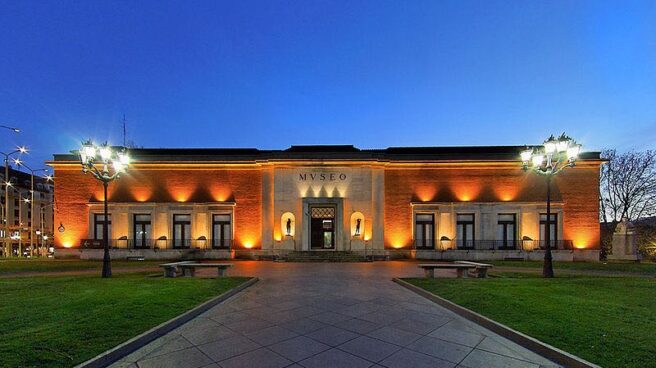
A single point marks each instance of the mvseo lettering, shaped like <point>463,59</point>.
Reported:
<point>322,176</point>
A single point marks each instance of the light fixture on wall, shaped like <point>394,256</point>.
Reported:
<point>445,243</point>
<point>159,242</point>
<point>202,242</point>
<point>61,228</point>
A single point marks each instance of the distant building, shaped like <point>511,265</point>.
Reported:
<point>20,214</point>
<point>424,202</point>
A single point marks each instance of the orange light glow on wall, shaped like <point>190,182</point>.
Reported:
<point>398,240</point>
<point>99,196</point>
<point>581,242</point>
<point>248,245</point>
<point>142,194</point>
<point>426,193</point>
<point>68,239</point>
<point>506,194</point>
<point>221,194</point>
<point>181,193</point>
<point>467,191</point>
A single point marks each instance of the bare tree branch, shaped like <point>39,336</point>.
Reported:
<point>628,185</point>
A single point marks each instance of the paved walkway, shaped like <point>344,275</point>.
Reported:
<point>330,315</point>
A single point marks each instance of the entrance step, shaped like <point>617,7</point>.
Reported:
<point>324,256</point>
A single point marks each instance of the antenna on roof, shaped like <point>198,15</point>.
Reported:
<point>124,131</point>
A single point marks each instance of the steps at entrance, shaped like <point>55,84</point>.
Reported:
<point>324,256</point>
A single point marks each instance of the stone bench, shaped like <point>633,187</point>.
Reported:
<point>189,269</point>
<point>461,269</point>
<point>481,268</point>
<point>171,269</point>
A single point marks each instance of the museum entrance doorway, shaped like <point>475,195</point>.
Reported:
<point>322,227</point>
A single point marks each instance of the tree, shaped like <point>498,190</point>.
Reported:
<point>628,185</point>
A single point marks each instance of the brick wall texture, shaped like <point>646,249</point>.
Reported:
<point>577,188</point>
<point>74,190</point>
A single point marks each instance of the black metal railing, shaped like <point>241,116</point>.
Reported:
<point>466,244</point>
<point>158,243</point>
<point>424,243</point>
<point>555,244</point>
<point>496,244</point>
<point>221,243</point>
<point>491,244</point>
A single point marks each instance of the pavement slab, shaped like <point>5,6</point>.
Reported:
<point>330,315</point>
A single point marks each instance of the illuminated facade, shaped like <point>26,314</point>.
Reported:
<point>20,216</point>
<point>433,202</point>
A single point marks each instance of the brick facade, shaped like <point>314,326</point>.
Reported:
<point>75,190</point>
<point>386,188</point>
<point>576,188</point>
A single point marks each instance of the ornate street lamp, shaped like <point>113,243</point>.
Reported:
<point>106,164</point>
<point>548,160</point>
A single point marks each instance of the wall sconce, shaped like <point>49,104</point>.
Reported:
<point>445,243</point>
<point>159,242</point>
<point>201,242</point>
<point>61,228</point>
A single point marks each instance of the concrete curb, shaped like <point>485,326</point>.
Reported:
<point>120,351</point>
<point>552,353</point>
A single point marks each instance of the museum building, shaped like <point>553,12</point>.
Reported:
<point>424,202</point>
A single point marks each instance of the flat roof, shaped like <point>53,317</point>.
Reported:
<point>327,152</point>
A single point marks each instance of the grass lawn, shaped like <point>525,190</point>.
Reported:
<point>60,321</point>
<point>639,268</point>
<point>606,320</point>
<point>17,266</point>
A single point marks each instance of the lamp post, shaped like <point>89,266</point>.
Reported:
<point>19,226</point>
<point>548,160</point>
<point>113,162</point>
<point>19,150</point>
<point>15,130</point>
<point>42,220</point>
<point>32,172</point>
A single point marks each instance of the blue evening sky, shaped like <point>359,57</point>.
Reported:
<point>269,74</point>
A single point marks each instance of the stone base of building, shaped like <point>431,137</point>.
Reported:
<point>578,255</point>
<point>147,254</point>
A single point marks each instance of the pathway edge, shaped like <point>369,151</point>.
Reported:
<point>550,352</point>
<point>113,355</point>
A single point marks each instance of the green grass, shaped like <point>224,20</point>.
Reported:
<point>638,268</point>
<point>606,320</point>
<point>17,266</point>
<point>60,321</point>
